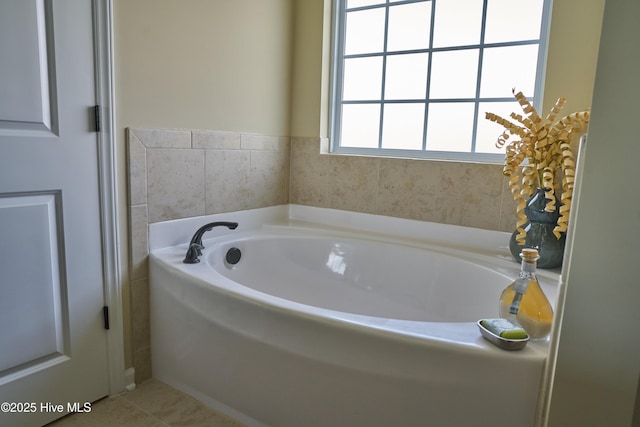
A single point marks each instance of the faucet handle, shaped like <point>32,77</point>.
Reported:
<point>194,251</point>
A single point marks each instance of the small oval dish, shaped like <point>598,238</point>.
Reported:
<point>503,343</point>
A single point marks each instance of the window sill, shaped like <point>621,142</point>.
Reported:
<point>445,156</point>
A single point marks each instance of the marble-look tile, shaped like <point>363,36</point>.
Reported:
<point>249,141</point>
<point>164,138</point>
<point>153,396</point>
<point>203,417</point>
<point>309,177</point>
<point>142,363</point>
<point>227,180</point>
<point>508,217</point>
<point>269,178</point>
<point>447,192</point>
<point>308,145</point>
<point>470,194</point>
<point>138,241</point>
<point>137,162</point>
<point>407,188</point>
<point>216,140</point>
<point>140,315</point>
<point>110,411</point>
<point>353,183</point>
<point>153,404</point>
<point>175,408</point>
<point>175,184</point>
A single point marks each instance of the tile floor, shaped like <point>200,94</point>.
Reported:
<point>152,403</point>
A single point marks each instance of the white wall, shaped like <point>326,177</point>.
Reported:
<point>598,358</point>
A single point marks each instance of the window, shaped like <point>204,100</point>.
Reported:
<point>414,78</point>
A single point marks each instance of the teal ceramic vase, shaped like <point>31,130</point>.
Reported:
<point>539,228</point>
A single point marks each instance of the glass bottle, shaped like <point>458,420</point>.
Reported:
<point>524,302</point>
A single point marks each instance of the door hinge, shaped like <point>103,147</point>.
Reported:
<point>96,117</point>
<point>105,314</point>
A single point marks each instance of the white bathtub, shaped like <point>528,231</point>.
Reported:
<point>328,321</point>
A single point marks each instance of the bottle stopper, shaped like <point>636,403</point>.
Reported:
<point>529,254</point>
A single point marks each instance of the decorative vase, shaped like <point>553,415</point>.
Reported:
<point>539,228</point>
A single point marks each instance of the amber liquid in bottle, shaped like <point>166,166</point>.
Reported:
<point>525,303</point>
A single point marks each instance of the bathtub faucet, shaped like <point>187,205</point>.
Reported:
<point>196,246</point>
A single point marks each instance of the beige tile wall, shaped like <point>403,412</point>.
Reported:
<point>469,194</point>
<point>181,173</point>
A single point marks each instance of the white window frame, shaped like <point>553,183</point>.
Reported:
<point>339,18</point>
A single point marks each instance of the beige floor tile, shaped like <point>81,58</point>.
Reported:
<point>174,407</point>
<point>111,411</point>
<point>152,404</point>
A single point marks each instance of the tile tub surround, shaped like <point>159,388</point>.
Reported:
<point>177,174</point>
<point>468,194</point>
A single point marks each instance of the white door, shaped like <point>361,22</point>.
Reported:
<point>53,342</point>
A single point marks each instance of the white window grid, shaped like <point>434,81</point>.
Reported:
<point>338,57</point>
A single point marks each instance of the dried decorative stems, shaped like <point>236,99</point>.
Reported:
<point>543,148</point>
